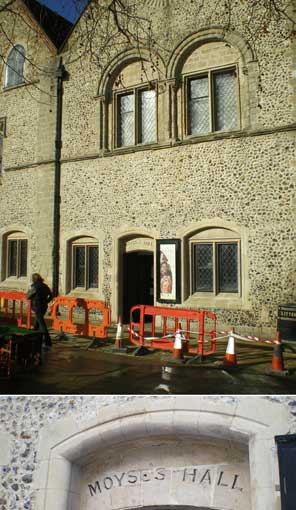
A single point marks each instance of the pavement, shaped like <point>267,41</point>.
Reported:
<point>77,365</point>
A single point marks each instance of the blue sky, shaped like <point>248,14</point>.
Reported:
<point>66,8</point>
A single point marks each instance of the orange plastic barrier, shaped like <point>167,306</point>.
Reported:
<point>143,331</point>
<point>84,326</point>
<point>12,309</point>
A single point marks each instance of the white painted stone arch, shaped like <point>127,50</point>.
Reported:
<point>69,445</point>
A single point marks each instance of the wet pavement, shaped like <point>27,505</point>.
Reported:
<point>80,366</point>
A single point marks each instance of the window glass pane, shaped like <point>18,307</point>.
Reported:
<point>148,116</point>
<point>79,266</point>
<point>12,257</point>
<point>15,66</point>
<point>126,120</point>
<point>93,261</point>
<point>23,257</point>
<point>228,267</point>
<point>198,106</point>
<point>225,101</point>
<point>202,268</point>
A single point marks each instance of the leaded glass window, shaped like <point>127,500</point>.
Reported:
<point>85,262</point>
<point>225,101</point>
<point>227,267</point>
<point>15,66</point>
<point>126,120</point>
<point>212,103</point>
<point>203,267</point>
<point>215,267</point>
<point>17,250</point>
<point>93,255</point>
<point>136,117</point>
<point>199,106</point>
<point>148,116</point>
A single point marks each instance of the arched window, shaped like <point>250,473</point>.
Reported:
<point>129,102</point>
<point>15,66</point>
<point>210,89</point>
<point>16,255</point>
<point>215,262</point>
<point>84,263</point>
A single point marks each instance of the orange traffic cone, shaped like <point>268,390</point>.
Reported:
<point>178,347</point>
<point>118,334</point>
<point>277,356</point>
<point>230,356</point>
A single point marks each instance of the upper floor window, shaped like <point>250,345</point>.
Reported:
<point>85,263</point>
<point>212,103</point>
<point>136,117</point>
<point>15,66</point>
<point>215,262</point>
<point>16,255</point>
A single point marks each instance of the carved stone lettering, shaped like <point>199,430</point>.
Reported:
<point>199,475</point>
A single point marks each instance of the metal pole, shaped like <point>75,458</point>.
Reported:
<point>60,75</point>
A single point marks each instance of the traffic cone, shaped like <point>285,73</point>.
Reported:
<point>178,347</point>
<point>230,356</point>
<point>118,340</point>
<point>277,356</point>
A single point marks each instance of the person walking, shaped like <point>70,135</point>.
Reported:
<point>40,295</point>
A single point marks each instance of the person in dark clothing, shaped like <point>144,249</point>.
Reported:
<point>40,295</point>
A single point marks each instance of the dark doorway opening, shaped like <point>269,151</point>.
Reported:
<point>138,285</point>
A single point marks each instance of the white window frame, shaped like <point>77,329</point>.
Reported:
<point>136,91</point>
<point>210,73</point>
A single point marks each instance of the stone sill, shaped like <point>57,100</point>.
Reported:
<point>218,302</point>
<point>84,294</point>
<point>19,86</point>
<point>15,284</point>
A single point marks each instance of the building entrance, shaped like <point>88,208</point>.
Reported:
<point>138,282</point>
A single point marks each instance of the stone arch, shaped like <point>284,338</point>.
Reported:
<point>69,445</point>
<point>120,237</point>
<point>4,233</point>
<point>66,241</point>
<point>246,67</point>
<point>210,34</point>
<point>216,223</point>
<point>122,60</point>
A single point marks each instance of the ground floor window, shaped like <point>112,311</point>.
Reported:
<point>16,256</point>
<point>215,263</point>
<point>85,264</point>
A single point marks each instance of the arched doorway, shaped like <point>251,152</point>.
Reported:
<point>137,273</point>
<point>138,281</point>
<point>185,452</point>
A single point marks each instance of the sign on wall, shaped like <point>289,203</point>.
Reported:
<point>168,268</point>
<point>213,486</point>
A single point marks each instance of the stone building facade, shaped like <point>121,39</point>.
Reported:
<point>196,144</point>
<point>81,452</point>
